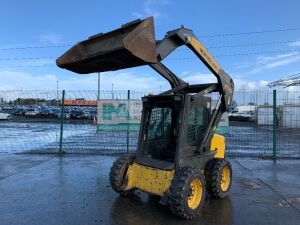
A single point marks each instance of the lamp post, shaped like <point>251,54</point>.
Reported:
<point>57,92</point>
<point>98,93</point>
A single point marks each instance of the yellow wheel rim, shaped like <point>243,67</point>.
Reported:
<point>225,179</point>
<point>195,193</point>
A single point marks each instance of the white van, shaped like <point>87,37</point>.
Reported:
<point>243,113</point>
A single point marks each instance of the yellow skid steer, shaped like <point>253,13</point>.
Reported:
<point>179,156</point>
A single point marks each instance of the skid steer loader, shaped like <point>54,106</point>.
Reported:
<point>179,156</point>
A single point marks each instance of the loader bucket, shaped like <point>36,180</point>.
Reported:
<point>131,45</point>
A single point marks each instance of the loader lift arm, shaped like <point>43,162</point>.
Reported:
<point>183,36</point>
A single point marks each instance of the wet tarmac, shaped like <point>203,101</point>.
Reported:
<point>48,189</point>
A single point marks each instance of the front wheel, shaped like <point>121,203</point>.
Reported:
<point>187,193</point>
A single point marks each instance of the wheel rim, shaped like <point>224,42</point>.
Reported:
<point>225,179</point>
<point>195,193</point>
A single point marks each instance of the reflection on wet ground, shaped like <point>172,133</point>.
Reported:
<point>144,209</point>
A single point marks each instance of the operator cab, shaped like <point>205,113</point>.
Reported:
<point>163,134</point>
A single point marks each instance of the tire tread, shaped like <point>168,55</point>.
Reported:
<point>176,198</point>
<point>116,175</point>
<point>213,175</point>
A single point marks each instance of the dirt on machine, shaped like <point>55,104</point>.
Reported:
<point>179,155</point>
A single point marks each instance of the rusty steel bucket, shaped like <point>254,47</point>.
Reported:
<point>131,45</point>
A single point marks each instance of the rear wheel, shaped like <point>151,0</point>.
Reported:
<point>218,177</point>
<point>187,193</point>
<point>118,173</point>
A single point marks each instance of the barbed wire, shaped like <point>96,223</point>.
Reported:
<point>27,58</point>
<point>199,35</point>
<point>249,33</point>
<point>34,47</point>
<point>171,59</point>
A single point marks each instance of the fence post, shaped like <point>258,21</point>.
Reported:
<point>62,114</point>
<point>128,118</point>
<point>274,125</point>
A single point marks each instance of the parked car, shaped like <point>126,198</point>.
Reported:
<point>67,114</point>
<point>91,114</point>
<point>4,115</point>
<point>77,114</point>
<point>7,107</point>
<point>45,112</point>
<point>53,112</point>
<point>243,113</point>
<point>19,112</point>
<point>32,112</point>
<point>87,114</point>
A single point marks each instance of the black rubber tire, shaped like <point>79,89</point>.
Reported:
<point>213,175</point>
<point>118,172</point>
<point>179,192</point>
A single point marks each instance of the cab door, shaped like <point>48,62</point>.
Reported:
<point>196,122</point>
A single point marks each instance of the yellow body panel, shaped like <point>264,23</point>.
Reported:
<point>218,144</point>
<point>156,181</point>
<point>151,180</point>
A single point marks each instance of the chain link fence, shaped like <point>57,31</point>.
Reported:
<point>261,123</point>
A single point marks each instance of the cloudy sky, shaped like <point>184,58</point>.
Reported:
<point>255,41</point>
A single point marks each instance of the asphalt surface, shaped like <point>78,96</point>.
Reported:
<point>48,189</point>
